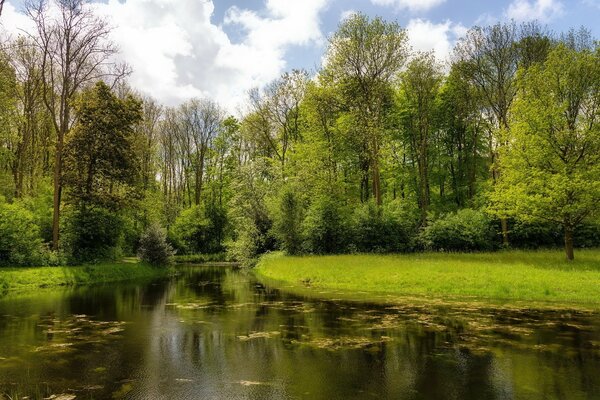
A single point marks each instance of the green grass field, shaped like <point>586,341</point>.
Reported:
<point>14,279</point>
<point>538,276</point>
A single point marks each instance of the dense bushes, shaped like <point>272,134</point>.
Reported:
<point>325,228</point>
<point>154,248</point>
<point>93,234</point>
<point>382,230</point>
<point>464,230</point>
<point>199,230</point>
<point>20,239</point>
<point>288,220</point>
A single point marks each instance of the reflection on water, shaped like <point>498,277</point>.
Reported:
<point>215,332</point>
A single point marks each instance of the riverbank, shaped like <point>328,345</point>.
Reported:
<point>540,276</point>
<point>28,278</point>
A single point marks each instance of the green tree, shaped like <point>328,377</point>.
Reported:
<point>101,167</point>
<point>550,167</point>
<point>418,92</point>
<point>363,58</point>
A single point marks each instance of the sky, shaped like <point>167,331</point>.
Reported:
<point>179,49</point>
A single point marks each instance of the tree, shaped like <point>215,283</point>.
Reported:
<point>364,56</point>
<point>489,57</point>
<point>75,51</point>
<point>418,92</point>
<point>201,122</point>
<point>550,167</point>
<point>101,166</point>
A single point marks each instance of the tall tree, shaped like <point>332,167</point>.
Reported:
<point>550,167</point>
<point>418,92</point>
<point>489,57</point>
<point>101,167</point>
<point>364,56</point>
<point>201,121</point>
<point>75,50</point>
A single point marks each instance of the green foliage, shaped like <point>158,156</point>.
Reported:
<point>93,235</point>
<point>20,240</point>
<point>101,166</point>
<point>550,165</point>
<point>533,235</point>
<point>288,221</point>
<point>154,248</point>
<point>464,230</point>
<point>326,227</point>
<point>249,214</point>
<point>375,230</point>
<point>199,229</point>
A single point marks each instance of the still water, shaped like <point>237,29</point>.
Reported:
<point>217,333</point>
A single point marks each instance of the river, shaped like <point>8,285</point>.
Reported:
<point>218,333</point>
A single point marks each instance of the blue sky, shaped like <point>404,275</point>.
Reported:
<point>221,48</point>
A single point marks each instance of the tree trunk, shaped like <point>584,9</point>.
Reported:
<point>57,195</point>
<point>569,243</point>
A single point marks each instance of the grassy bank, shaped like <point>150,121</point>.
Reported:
<point>512,275</point>
<point>13,279</point>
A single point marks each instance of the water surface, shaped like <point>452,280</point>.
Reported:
<point>217,333</point>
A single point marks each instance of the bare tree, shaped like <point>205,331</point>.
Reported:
<point>75,51</point>
<point>202,121</point>
<point>1,6</point>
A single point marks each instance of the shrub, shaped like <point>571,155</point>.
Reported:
<point>247,245</point>
<point>93,234</point>
<point>587,235</point>
<point>465,230</point>
<point>529,235</point>
<point>199,230</point>
<point>381,230</point>
<point>20,239</point>
<point>154,248</point>
<point>325,228</point>
<point>288,220</point>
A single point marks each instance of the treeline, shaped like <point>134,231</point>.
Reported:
<point>383,150</point>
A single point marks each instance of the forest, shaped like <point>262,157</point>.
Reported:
<point>381,150</point>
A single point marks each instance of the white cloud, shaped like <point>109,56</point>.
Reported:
<point>424,35</point>
<point>12,21</point>
<point>177,52</point>
<point>412,5</point>
<point>347,14</point>
<point>542,10</point>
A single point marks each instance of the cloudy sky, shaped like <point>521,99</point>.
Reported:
<point>221,48</point>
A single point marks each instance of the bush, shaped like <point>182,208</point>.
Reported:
<point>199,230</point>
<point>154,248</point>
<point>288,220</point>
<point>465,230</point>
<point>93,234</point>
<point>325,228</point>
<point>20,239</point>
<point>529,235</point>
<point>381,230</point>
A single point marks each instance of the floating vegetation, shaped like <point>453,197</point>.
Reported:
<point>63,396</point>
<point>251,383</point>
<point>63,335</point>
<point>343,343</point>
<point>259,335</point>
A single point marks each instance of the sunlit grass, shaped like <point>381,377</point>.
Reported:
<point>509,275</point>
<point>31,278</point>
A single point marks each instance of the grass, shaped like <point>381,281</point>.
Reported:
<point>538,276</point>
<point>15,279</point>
